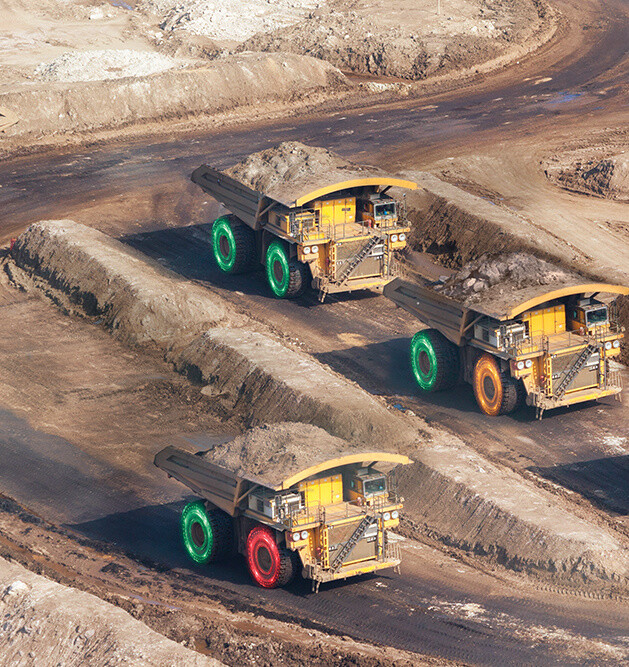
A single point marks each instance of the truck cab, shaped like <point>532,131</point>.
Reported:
<point>588,315</point>
<point>365,485</point>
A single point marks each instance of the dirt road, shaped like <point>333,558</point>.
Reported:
<point>77,444</point>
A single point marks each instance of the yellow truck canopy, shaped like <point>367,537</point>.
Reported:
<point>509,305</point>
<point>279,456</point>
<point>453,317</point>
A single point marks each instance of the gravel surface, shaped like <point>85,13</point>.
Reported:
<point>105,64</point>
<point>229,19</point>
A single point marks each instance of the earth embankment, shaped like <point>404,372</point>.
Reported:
<point>44,622</point>
<point>453,493</point>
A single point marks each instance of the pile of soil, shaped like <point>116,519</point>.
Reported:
<point>509,272</point>
<point>340,39</point>
<point>223,20</point>
<point>607,178</point>
<point>292,168</point>
<point>103,64</point>
<point>406,39</point>
<point>46,623</point>
<point>272,453</point>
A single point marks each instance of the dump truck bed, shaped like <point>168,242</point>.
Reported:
<point>433,309</point>
<point>453,318</point>
<point>218,485</point>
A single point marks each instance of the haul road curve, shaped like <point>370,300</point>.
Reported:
<point>362,336</point>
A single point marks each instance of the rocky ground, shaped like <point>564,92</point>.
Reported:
<point>52,52</point>
<point>606,177</point>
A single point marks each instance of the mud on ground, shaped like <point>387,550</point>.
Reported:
<point>217,624</point>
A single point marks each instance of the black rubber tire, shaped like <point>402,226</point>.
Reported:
<point>270,564</point>
<point>207,534</point>
<point>223,528</point>
<point>277,258</point>
<point>511,394</point>
<point>434,361</point>
<point>289,566</point>
<point>495,390</point>
<point>233,245</point>
<point>521,400</point>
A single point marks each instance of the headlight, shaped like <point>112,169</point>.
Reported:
<point>304,534</point>
<point>307,250</point>
<point>315,249</point>
<point>520,365</point>
<point>296,537</point>
<point>402,237</point>
<point>386,516</point>
<point>608,345</point>
<point>616,344</point>
<point>393,238</point>
<point>528,363</point>
<point>395,514</point>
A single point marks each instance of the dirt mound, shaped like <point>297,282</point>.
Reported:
<point>223,85</point>
<point>339,38</point>
<point>291,169</point>
<point>46,623</point>
<point>275,452</point>
<point>228,19</point>
<point>607,178</point>
<point>510,272</point>
<point>404,38</point>
<point>103,64</point>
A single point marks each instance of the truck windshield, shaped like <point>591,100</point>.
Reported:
<point>598,316</point>
<point>385,209</point>
<point>376,485</point>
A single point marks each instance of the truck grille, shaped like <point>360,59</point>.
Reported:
<point>586,377</point>
<point>372,265</point>
<point>365,548</point>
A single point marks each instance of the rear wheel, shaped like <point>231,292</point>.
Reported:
<point>270,565</point>
<point>496,392</point>
<point>233,244</point>
<point>287,277</point>
<point>207,535</point>
<point>434,360</point>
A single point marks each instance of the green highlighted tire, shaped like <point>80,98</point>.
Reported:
<point>434,360</point>
<point>287,278</point>
<point>233,245</point>
<point>207,535</point>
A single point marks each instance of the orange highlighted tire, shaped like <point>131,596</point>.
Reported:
<point>496,392</point>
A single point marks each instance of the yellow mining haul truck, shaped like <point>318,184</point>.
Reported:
<point>335,234</point>
<point>545,348</point>
<point>331,518</point>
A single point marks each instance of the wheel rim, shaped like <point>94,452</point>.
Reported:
<point>489,388</point>
<point>277,270</point>
<point>423,361</point>
<point>264,560</point>
<point>196,532</point>
<point>197,535</point>
<point>223,244</point>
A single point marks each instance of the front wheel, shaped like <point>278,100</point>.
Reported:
<point>270,565</point>
<point>496,392</point>
<point>434,360</point>
<point>287,278</point>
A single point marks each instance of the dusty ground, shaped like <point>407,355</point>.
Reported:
<point>146,51</point>
<point>405,38</point>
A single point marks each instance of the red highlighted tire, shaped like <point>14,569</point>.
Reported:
<point>270,565</point>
